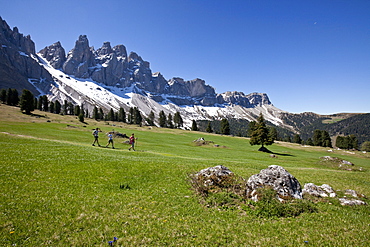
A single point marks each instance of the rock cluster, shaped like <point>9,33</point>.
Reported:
<point>280,180</point>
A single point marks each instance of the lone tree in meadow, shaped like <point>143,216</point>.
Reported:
<point>260,134</point>
<point>27,101</point>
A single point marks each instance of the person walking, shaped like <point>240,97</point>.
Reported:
<point>110,140</point>
<point>132,142</point>
<point>96,136</point>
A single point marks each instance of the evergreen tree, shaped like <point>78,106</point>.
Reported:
<point>3,96</point>
<point>65,107</point>
<point>121,115</point>
<point>57,107</point>
<point>35,104</point>
<point>365,146</point>
<point>27,101</point>
<point>317,138</point>
<point>138,119</point>
<point>273,135</point>
<point>130,118</point>
<point>209,128</point>
<point>162,119</point>
<point>81,117</point>
<point>12,97</point>
<point>178,120</point>
<point>260,134</point>
<point>297,139</point>
<point>101,114</point>
<point>45,103</point>
<point>309,142</point>
<point>71,109</point>
<point>52,107</point>
<point>169,121</point>
<point>225,127</point>
<point>96,113</point>
<point>150,118</point>
<point>251,127</point>
<point>77,110</point>
<point>194,126</point>
<point>110,116</point>
<point>325,139</point>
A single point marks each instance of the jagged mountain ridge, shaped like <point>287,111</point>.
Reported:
<point>116,79</point>
<point>111,78</point>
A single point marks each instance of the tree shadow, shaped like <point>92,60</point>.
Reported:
<point>265,150</point>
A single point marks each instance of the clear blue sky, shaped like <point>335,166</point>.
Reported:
<point>307,55</point>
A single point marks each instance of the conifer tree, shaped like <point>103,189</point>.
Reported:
<point>150,118</point>
<point>209,128</point>
<point>162,119</point>
<point>260,134</point>
<point>27,101</point>
<point>297,139</point>
<point>52,107</point>
<point>194,126</point>
<point>57,107</point>
<point>121,115</point>
<point>138,119</point>
<point>95,113</point>
<point>169,121</point>
<point>110,116</point>
<point>3,95</point>
<point>225,127</point>
<point>178,120</point>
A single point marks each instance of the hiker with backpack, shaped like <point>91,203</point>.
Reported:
<point>132,142</point>
<point>110,140</point>
<point>96,136</point>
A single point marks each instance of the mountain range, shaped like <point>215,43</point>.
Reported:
<point>111,78</point>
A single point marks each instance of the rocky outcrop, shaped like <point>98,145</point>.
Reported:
<point>19,67</point>
<point>79,59</point>
<point>54,54</point>
<point>318,191</point>
<point>213,176</point>
<point>250,100</point>
<point>277,178</point>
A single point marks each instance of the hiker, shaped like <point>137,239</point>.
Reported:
<point>96,136</point>
<point>132,142</point>
<point>110,139</point>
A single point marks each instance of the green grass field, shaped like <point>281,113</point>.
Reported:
<point>58,190</point>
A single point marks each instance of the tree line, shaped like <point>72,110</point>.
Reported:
<point>29,103</point>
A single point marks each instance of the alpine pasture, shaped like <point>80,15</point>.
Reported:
<point>59,190</point>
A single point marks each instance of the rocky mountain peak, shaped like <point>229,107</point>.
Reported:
<point>54,54</point>
<point>79,59</point>
<point>106,49</point>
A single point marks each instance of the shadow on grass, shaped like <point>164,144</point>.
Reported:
<point>265,150</point>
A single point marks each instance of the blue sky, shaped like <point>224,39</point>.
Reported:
<point>309,55</point>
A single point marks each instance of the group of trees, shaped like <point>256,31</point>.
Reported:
<point>347,142</point>
<point>167,121</point>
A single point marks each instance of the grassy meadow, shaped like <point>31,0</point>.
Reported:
<point>59,190</point>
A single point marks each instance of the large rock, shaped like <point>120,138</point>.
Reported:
<point>319,191</point>
<point>212,176</point>
<point>279,179</point>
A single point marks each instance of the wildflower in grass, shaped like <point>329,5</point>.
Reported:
<point>11,232</point>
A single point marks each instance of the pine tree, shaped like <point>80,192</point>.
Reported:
<point>27,101</point>
<point>317,138</point>
<point>52,107</point>
<point>178,120</point>
<point>121,115</point>
<point>45,103</point>
<point>110,116</point>
<point>365,146</point>
<point>309,142</point>
<point>209,128</point>
<point>3,95</point>
<point>138,119</point>
<point>251,127</point>
<point>225,127</point>
<point>77,110</point>
<point>162,119</point>
<point>194,126</point>
<point>151,118</point>
<point>169,121</point>
<point>325,139</point>
<point>58,107</point>
<point>95,113</point>
<point>297,139</point>
<point>260,134</point>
